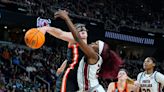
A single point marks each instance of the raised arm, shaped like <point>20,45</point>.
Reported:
<point>62,67</point>
<point>88,51</point>
<point>58,33</point>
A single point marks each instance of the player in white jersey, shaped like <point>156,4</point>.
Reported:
<point>150,80</point>
<point>91,62</point>
<point>87,74</point>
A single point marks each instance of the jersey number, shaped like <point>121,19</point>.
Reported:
<point>146,90</point>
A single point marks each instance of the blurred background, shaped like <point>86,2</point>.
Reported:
<point>133,28</point>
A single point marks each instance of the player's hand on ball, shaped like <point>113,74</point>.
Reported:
<point>42,29</point>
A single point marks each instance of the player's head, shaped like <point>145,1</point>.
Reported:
<point>122,74</point>
<point>98,46</point>
<point>111,61</point>
<point>149,63</point>
<point>82,30</point>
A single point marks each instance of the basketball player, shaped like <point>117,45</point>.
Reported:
<point>150,80</point>
<point>69,79</point>
<point>91,62</point>
<point>110,67</point>
<point>121,85</point>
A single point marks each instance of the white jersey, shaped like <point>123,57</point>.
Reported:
<point>87,75</point>
<point>152,82</point>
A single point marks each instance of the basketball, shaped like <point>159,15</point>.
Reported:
<point>34,38</point>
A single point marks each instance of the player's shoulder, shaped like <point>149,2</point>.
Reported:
<point>111,85</point>
<point>158,76</point>
<point>141,73</point>
<point>156,73</point>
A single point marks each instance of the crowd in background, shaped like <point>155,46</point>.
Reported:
<point>114,13</point>
<point>26,70</point>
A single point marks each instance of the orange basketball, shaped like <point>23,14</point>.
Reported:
<point>34,38</point>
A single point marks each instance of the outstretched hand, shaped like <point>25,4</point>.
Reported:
<point>63,14</point>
